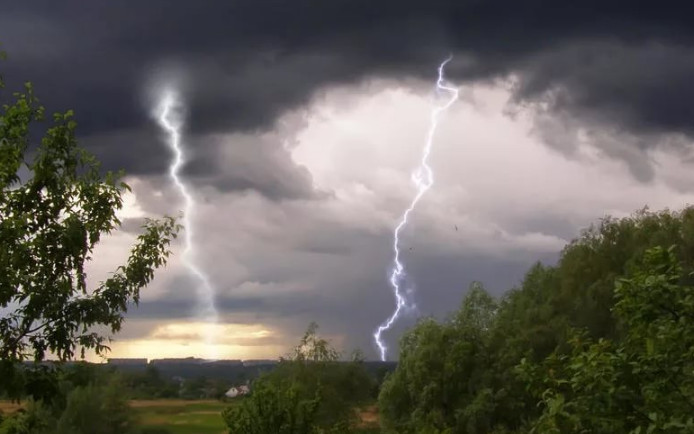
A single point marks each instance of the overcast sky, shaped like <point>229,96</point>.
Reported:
<point>306,118</point>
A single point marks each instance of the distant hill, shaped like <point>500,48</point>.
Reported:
<point>229,369</point>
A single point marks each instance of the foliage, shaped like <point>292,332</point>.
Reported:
<point>273,408</point>
<point>35,419</point>
<point>97,410</point>
<point>604,336</point>
<point>314,370</point>
<point>641,383</point>
<point>99,406</point>
<point>54,209</point>
<point>441,373</point>
<point>150,384</point>
<point>310,390</point>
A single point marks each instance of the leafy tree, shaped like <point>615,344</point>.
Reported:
<point>89,401</point>
<point>591,264</point>
<point>55,205</point>
<point>541,316</point>
<point>439,385</point>
<point>273,408</point>
<point>314,369</point>
<point>538,322</point>
<point>641,383</point>
<point>97,409</point>
<point>150,384</point>
<point>309,390</point>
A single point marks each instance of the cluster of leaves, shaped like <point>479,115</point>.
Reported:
<point>310,391</point>
<point>643,382</point>
<point>441,371</point>
<point>273,408</point>
<point>602,342</point>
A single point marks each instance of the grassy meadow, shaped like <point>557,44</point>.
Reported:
<point>179,416</point>
<point>182,416</point>
<point>176,416</point>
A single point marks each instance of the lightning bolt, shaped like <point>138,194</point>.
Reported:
<point>423,178</point>
<point>171,121</point>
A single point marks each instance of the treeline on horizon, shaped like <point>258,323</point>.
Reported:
<point>173,379</point>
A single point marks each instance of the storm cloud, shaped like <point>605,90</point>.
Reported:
<point>611,66</point>
<point>305,117</point>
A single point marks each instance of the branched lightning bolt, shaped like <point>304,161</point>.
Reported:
<point>171,121</point>
<point>423,179</point>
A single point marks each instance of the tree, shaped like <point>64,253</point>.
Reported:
<point>439,385</point>
<point>97,409</point>
<point>573,313</point>
<point>55,205</point>
<point>273,409</point>
<point>309,391</point>
<point>641,383</point>
<point>541,316</point>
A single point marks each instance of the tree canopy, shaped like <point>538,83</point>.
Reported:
<point>310,391</point>
<point>601,342</point>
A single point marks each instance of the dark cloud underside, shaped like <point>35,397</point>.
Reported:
<point>622,65</point>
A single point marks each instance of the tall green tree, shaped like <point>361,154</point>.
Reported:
<point>274,408</point>
<point>55,206</point>
<point>540,317</point>
<point>309,391</point>
<point>97,409</point>
<point>440,384</point>
<point>537,320</point>
<point>641,383</point>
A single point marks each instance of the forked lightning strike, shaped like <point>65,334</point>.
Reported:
<point>423,179</point>
<point>171,120</point>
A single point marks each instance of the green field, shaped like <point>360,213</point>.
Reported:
<point>204,417</point>
<point>179,416</point>
<point>182,417</point>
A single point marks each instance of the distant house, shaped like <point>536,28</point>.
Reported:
<point>238,391</point>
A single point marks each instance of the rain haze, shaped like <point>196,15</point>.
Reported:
<point>304,121</point>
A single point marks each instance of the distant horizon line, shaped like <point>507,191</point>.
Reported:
<point>198,360</point>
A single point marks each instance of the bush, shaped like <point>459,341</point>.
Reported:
<point>35,419</point>
<point>273,408</point>
<point>97,410</point>
<point>309,391</point>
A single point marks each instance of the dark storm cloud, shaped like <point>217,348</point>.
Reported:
<point>249,163</point>
<point>623,65</point>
